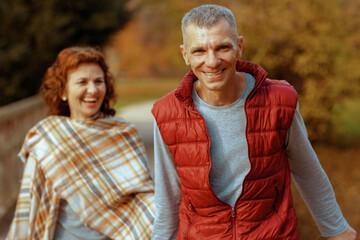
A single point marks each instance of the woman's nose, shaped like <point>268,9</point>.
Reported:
<point>91,87</point>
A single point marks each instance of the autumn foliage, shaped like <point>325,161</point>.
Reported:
<point>314,45</point>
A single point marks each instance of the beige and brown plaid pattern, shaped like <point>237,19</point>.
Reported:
<point>98,166</point>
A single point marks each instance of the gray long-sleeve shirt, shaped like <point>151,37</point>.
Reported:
<point>226,126</point>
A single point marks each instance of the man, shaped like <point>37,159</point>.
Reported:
<point>226,141</point>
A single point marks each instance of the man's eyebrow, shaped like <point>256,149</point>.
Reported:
<point>196,48</point>
<point>225,44</point>
<point>220,44</point>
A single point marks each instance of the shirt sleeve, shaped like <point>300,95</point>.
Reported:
<point>167,191</point>
<point>311,180</point>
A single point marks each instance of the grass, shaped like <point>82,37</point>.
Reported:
<point>139,90</point>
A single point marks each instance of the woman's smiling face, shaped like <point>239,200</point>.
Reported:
<point>85,90</point>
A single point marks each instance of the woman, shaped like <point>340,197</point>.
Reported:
<point>85,171</point>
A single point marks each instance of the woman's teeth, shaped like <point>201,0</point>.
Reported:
<point>90,100</point>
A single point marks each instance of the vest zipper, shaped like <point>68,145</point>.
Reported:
<point>233,212</point>
<point>233,216</point>
<point>192,211</point>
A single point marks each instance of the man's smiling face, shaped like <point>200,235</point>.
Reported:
<point>212,54</point>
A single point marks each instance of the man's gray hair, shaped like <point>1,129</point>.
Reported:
<point>207,16</point>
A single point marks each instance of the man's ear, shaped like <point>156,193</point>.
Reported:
<point>240,45</point>
<point>184,54</point>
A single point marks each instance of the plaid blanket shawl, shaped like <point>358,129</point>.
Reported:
<point>98,166</point>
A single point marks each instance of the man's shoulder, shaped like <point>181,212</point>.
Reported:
<point>168,97</point>
<point>277,92</point>
<point>279,86</point>
<point>165,102</point>
<point>170,106</point>
<point>276,82</point>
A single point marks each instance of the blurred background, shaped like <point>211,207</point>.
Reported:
<point>313,44</point>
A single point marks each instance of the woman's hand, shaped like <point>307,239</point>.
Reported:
<point>349,234</point>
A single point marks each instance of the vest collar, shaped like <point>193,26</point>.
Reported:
<point>183,92</point>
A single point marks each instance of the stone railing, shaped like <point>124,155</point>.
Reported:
<point>15,120</point>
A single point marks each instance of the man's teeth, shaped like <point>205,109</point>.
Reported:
<point>215,73</point>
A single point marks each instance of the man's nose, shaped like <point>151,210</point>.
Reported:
<point>212,59</point>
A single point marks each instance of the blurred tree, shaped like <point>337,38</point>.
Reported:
<point>315,46</point>
<point>152,40</point>
<point>34,31</point>
<point>312,44</point>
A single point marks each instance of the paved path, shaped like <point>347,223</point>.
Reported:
<point>140,115</point>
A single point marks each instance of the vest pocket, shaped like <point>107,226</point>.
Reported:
<point>276,199</point>
<point>277,202</point>
<point>192,217</point>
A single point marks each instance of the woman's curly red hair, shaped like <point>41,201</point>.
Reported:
<point>53,86</point>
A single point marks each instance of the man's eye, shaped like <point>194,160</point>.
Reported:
<point>198,51</point>
<point>223,48</point>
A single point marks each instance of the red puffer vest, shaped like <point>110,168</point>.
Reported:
<point>265,209</point>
